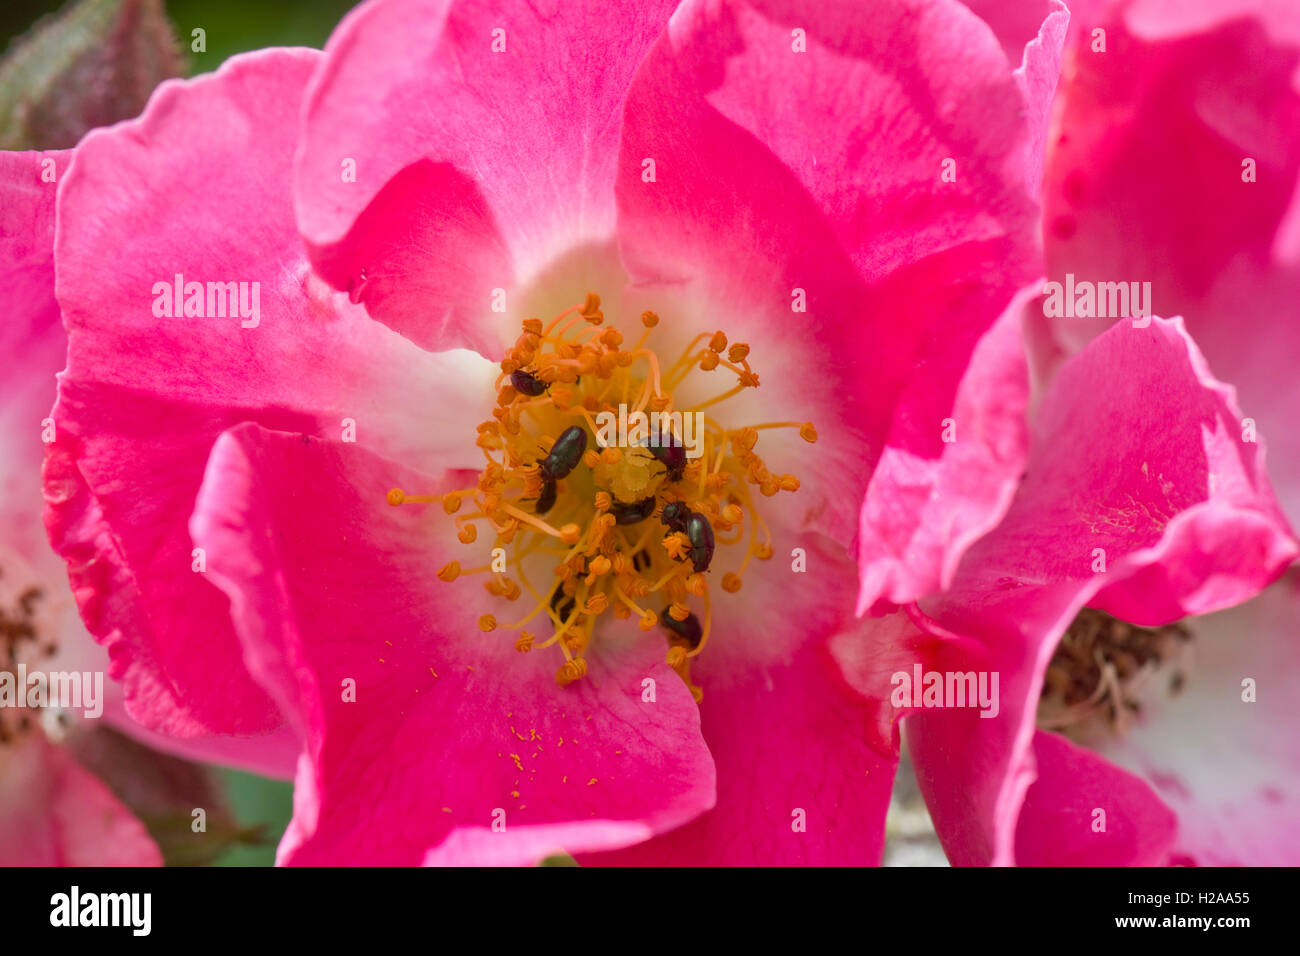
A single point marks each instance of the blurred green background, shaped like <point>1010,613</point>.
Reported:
<point>231,26</point>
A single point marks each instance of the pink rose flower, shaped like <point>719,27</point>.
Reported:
<point>260,508</point>
<point>1135,726</point>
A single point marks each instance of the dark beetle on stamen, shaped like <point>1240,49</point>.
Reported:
<point>672,456</point>
<point>674,515</point>
<point>565,454</point>
<point>688,630</point>
<point>564,457</point>
<point>526,383</point>
<point>632,513</point>
<point>546,500</point>
<point>700,533</point>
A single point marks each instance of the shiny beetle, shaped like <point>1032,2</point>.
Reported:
<point>632,513</point>
<point>546,500</point>
<point>672,456</point>
<point>674,515</point>
<point>700,533</point>
<point>688,631</point>
<point>526,383</point>
<point>565,454</point>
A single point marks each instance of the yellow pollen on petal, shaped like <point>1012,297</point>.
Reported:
<point>578,526</point>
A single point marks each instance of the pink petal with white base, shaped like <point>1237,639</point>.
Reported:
<point>1223,754</point>
<point>456,748</point>
<point>805,768</point>
<point>841,238</point>
<point>1172,500</point>
<point>484,137</point>
<point>134,435</point>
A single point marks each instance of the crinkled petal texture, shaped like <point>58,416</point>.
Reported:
<point>1141,499</point>
<point>425,739</point>
<point>791,178</point>
<point>198,190</point>
<point>35,341</point>
<point>1223,753</point>
<point>483,137</point>
<point>1176,161</point>
<point>55,813</point>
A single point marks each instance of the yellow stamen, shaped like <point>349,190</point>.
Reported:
<point>567,521</point>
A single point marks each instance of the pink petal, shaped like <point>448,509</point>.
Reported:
<point>1136,451</point>
<point>327,582</point>
<point>497,163</point>
<point>804,767</point>
<point>1032,32</point>
<point>54,813</point>
<point>1084,811</point>
<point>144,397</point>
<point>921,514</point>
<point>1151,139</point>
<point>32,341</point>
<point>778,171</point>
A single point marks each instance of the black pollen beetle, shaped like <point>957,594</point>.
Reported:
<point>565,454</point>
<point>700,533</point>
<point>526,383</point>
<point>546,500</point>
<point>632,513</point>
<point>672,456</point>
<point>688,630</point>
<point>674,515</point>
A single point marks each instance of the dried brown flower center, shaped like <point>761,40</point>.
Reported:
<point>1102,669</point>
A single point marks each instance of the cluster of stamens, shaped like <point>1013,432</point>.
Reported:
<point>1100,669</point>
<point>596,514</point>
